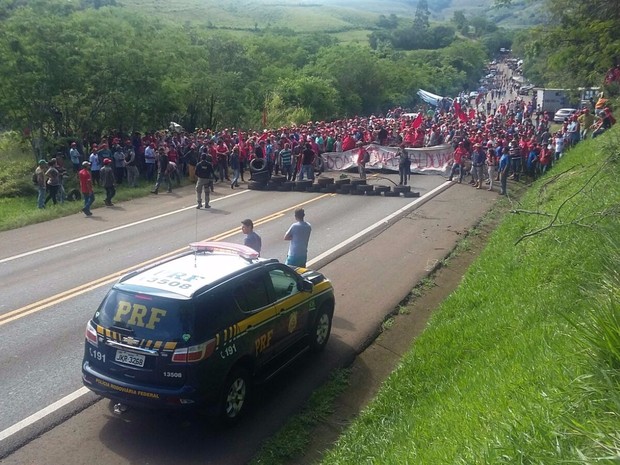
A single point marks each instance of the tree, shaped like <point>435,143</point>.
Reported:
<point>460,21</point>
<point>317,95</point>
<point>422,15</point>
<point>578,47</point>
<point>356,75</point>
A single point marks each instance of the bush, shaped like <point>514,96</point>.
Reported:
<point>18,165</point>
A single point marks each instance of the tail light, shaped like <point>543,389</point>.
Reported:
<point>194,354</point>
<point>91,334</point>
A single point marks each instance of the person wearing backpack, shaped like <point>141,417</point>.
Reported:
<point>38,179</point>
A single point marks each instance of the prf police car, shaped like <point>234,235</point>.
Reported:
<point>200,329</point>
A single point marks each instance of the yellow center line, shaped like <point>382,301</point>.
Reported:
<point>87,287</point>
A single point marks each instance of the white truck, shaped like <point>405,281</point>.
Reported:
<point>552,100</point>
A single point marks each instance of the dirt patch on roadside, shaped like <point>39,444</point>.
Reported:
<point>373,366</point>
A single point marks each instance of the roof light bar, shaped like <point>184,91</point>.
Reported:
<point>242,251</point>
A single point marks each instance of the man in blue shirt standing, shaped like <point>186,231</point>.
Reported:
<point>299,235</point>
<point>251,239</point>
<point>504,165</point>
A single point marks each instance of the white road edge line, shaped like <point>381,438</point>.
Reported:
<point>382,222</point>
<point>11,430</point>
<point>118,228</point>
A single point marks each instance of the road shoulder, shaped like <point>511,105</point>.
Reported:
<point>372,367</point>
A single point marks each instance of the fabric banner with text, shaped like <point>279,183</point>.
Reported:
<point>425,160</point>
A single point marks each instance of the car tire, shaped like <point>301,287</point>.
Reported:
<point>258,164</point>
<point>321,329</point>
<point>235,396</point>
<point>74,195</point>
<point>257,186</point>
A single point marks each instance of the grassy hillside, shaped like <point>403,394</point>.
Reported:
<point>522,363</point>
<point>321,15</point>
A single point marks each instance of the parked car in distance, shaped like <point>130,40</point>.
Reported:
<point>562,114</point>
<point>525,90</point>
<point>199,330</point>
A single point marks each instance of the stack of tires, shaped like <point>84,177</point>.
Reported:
<point>404,190</point>
<point>259,176</point>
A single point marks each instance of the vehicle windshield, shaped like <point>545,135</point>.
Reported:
<point>145,316</point>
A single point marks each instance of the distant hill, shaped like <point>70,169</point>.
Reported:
<point>331,16</point>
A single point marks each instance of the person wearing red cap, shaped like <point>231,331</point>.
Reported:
<point>459,155</point>
<point>86,187</point>
<point>107,181</point>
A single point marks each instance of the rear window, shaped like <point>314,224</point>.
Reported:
<point>146,316</point>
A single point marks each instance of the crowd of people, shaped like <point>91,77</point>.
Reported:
<point>495,134</point>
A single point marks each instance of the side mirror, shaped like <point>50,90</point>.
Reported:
<point>305,286</point>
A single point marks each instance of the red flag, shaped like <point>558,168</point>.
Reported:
<point>417,122</point>
<point>265,117</point>
<point>460,114</point>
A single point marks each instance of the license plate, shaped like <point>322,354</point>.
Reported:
<point>129,358</point>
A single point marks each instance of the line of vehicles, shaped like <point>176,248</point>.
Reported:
<point>561,102</point>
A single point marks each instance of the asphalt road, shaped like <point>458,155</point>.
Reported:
<point>53,276</point>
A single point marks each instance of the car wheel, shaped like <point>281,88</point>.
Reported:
<point>235,395</point>
<point>321,329</point>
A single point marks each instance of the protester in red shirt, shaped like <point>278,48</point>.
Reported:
<point>86,187</point>
<point>459,154</point>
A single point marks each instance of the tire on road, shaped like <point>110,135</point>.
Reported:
<point>258,164</point>
<point>257,186</point>
<point>321,329</point>
<point>402,189</point>
<point>235,395</point>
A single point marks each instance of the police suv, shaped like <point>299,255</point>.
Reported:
<point>200,329</point>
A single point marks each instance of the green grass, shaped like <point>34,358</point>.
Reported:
<point>292,440</point>
<point>16,212</point>
<point>520,365</point>
<point>18,197</point>
<point>322,15</point>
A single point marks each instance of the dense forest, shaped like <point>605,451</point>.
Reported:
<point>81,69</point>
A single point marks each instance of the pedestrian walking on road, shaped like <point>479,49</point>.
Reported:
<point>299,235</point>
